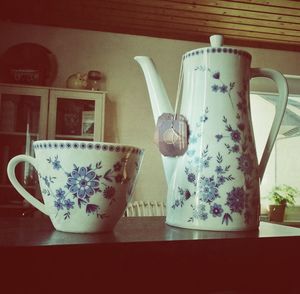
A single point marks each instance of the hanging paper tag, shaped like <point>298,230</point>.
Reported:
<point>171,134</point>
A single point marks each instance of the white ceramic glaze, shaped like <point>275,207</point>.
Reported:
<point>85,185</point>
<point>215,184</point>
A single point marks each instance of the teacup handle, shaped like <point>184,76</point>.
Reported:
<point>282,86</point>
<point>11,168</point>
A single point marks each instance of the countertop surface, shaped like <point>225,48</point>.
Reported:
<point>40,232</point>
<point>146,253</point>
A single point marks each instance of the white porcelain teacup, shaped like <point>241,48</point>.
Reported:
<point>85,185</point>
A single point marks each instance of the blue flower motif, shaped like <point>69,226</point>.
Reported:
<point>221,180</point>
<point>200,213</point>
<point>60,193</point>
<point>219,169</point>
<point>83,182</point>
<point>206,163</point>
<point>215,88</point>
<point>191,177</point>
<point>177,203</point>
<point>58,204</point>
<point>216,210</point>
<point>202,163</point>
<point>236,199</point>
<point>69,204</point>
<point>208,189</point>
<point>218,137</point>
<point>56,163</point>
<point>223,89</point>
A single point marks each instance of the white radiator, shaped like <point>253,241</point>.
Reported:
<point>146,208</point>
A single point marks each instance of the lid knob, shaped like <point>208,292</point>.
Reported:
<point>216,40</point>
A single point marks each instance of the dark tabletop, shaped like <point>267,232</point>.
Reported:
<point>144,251</point>
<point>40,232</point>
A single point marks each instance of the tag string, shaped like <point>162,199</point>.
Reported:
<point>173,128</point>
<point>179,88</point>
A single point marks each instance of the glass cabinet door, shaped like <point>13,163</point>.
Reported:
<point>23,119</point>
<point>76,115</point>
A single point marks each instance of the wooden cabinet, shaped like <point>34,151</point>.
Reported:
<point>29,113</point>
<point>76,115</point>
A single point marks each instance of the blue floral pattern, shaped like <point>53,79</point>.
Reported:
<point>83,184</point>
<point>208,176</point>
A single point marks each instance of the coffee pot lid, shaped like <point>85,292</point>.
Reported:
<point>216,46</point>
<point>216,40</point>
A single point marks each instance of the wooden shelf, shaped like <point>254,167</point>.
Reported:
<point>21,134</point>
<point>74,137</point>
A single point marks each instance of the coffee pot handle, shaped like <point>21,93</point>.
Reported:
<point>282,86</point>
<point>11,167</point>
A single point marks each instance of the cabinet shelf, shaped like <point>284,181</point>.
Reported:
<point>74,137</point>
<point>22,134</point>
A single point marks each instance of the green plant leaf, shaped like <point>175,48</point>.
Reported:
<point>284,194</point>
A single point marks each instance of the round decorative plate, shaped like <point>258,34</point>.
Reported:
<point>28,63</point>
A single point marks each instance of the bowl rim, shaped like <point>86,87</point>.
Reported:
<point>99,145</point>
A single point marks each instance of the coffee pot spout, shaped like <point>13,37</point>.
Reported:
<point>160,102</point>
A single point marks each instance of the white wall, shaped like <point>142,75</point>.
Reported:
<point>288,167</point>
<point>128,113</point>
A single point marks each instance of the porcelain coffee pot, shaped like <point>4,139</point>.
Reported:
<point>214,185</point>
